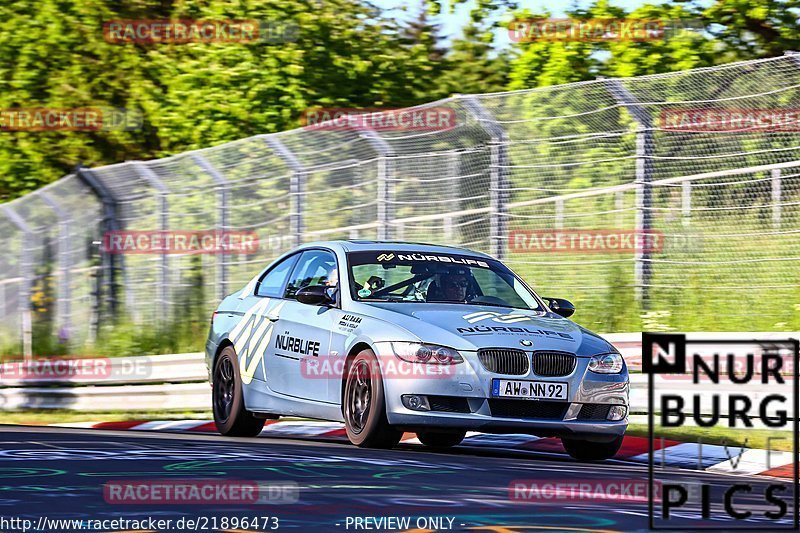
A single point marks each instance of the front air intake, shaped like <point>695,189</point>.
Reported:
<point>553,364</point>
<point>504,361</point>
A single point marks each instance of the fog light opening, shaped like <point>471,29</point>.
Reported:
<point>617,412</point>
<point>416,402</point>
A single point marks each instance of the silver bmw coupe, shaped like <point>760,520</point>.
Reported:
<point>390,337</point>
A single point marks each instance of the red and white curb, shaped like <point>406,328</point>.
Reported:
<point>713,458</point>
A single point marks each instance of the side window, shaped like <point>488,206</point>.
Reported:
<point>272,282</point>
<point>504,287</point>
<point>315,267</point>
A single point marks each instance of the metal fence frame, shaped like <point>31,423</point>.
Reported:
<point>485,141</point>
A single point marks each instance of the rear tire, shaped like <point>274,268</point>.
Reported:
<point>435,439</point>
<point>364,405</point>
<point>584,450</point>
<point>227,398</point>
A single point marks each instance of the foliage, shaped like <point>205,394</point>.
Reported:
<point>347,53</point>
<point>700,35</point>
<point>194,95</point>
<point>344,53</point>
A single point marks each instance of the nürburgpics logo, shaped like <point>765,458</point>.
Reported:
<point>733,386</point>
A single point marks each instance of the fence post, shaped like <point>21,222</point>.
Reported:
<point>559,214</point>
<point>645,148</point>
<point>386,169</point>
<point>498,174</point>
<point>163,206</point>
<point>26,273</point>
<point>223,220</point>
<point>111,222</point>
<point>686,202</point>
<point>296,186</point>
<point>619,205</point>
<point>456,234</point>
<point>64,278</point>
<point>777,208</point>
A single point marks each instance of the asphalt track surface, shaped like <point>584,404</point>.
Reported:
<point>61,473</point>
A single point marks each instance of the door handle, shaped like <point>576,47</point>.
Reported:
<point>272,317</point>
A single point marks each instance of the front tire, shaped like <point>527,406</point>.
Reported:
<point>227,398</point>
<point>433,439</point>
<point>364,405</point>
<point>583,450</point>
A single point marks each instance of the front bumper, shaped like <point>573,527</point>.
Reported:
<point>473,383</point>
<point>484,421</point>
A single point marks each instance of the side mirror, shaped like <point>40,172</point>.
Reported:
<point>560,306</point>
<point>315,295</point>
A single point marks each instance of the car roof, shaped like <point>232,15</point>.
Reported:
<point>396,246</point>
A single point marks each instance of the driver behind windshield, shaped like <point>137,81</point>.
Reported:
<point>453,287</point>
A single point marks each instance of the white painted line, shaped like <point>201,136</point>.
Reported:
<point>752,461</point>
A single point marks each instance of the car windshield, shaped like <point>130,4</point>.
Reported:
<point>441,278</point>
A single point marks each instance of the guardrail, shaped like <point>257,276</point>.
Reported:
<point>174,368</point>
<point>164,397</point>
<point>140,383</point>
<point>180,381</point>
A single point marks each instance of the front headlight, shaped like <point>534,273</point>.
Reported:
<point>414,352</point>
<point>607,363</point>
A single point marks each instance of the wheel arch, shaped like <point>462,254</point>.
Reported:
<point>354,351</point>
<point>222,345</point>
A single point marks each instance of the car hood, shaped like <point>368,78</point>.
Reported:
<point>470,327</point>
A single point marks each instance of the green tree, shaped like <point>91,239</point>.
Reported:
<point>421,40</point>
<point>345,53</point>
<point>749,29</point>
<point>697,35</point>
<point>474,65</point>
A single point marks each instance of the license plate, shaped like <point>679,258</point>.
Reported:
<point>529,390</point>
